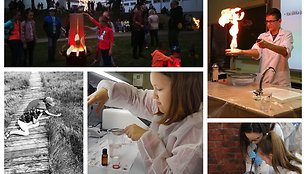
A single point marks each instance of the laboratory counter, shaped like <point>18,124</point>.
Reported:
<point>227,101</point>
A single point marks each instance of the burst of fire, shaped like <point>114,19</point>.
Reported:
<point>232,16</point>
<point>76,35</point>
<point>196,22</point>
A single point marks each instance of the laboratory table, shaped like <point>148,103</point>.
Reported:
<point>227,101</point>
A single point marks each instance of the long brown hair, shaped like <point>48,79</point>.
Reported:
<point>261,128</point>
<point>273,144</point>
<point>187,95</point>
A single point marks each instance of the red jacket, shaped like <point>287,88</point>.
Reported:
<point>15,33</point>
<point>106,36</point>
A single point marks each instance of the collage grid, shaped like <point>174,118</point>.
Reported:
<point>210,125</point>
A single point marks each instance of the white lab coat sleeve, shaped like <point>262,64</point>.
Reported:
<point>256,47</point>
<point>121,95</point>
<point>287,42</point>
<point>182,154</point>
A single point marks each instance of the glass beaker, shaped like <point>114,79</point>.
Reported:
<point>265,102</point>
<point>115,141</point>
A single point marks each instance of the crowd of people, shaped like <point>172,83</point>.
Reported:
<point>143,26</point>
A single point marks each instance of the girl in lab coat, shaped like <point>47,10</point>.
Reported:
<point>250,135</point>
<point>273,151</point>
<point>174,141</point>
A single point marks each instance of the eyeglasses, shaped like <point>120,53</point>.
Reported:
<point>271,21</point>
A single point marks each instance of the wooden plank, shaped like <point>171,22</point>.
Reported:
<point>23,168</point>
<point>25,160</point>
<point>37,130</point>
<point>26,152</point>
<point>25,142</point>
<point>14,126</point>
<point>14,137</point>
<point>31,136</point>
<point>11,171</point>
<point>24,147</point>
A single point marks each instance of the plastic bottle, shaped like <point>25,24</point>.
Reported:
<point>104,157</point>
<point>215,72</point>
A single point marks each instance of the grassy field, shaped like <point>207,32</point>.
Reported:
<point>15,84</point>
<point>66,132</point>
<point>122,51</point>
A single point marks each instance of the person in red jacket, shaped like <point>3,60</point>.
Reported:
<point>14,38</point>
<point>106,39</point>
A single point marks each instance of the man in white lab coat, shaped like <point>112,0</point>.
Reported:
<point>273,48</point>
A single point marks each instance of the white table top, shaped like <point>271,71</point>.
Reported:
<point>95,146</point>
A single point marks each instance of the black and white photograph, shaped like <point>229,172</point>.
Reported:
<point>43,122</point>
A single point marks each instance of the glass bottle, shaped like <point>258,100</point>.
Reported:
<point>104,157</point>
<point>215,72</point>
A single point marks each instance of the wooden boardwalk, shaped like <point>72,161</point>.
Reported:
<point>28,154</point>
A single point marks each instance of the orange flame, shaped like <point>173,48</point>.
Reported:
<point>76,34</point>
<point>232,16</point>
<point>196,22</point>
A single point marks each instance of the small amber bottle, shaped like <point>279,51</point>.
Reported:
<point>104,157</point>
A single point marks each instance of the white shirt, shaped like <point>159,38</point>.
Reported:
<point>153,22</point>
<point>277,61</point>
<point>175,148</point>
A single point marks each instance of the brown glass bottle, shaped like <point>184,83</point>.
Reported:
<point>104,157</point>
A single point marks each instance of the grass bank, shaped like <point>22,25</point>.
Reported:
<point>15,85</point>
<point>66,132</point>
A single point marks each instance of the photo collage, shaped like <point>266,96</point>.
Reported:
<point>152,86</point>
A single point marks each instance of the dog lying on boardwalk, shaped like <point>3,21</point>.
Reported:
<point>30,118</point>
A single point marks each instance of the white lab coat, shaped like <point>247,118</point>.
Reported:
<point>264,168</point>
<point>278,62</point>
<point>175,148</point>
<point>292,137</point>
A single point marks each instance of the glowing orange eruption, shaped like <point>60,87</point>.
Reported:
<point>232,16</point>
<point>196,22</point>
<point>76,35</point>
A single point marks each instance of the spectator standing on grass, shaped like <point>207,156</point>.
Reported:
<point>146,25</point>
<point>52,27</point>
<point>153,27</point>
<point>175,23</point>
<point>132,11</point>
<point>28,36</point>
<point>97,60</point>
<point>106,39</point>
<point>13,36</point>
<point>118,24</point>
<point>139,31</point>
